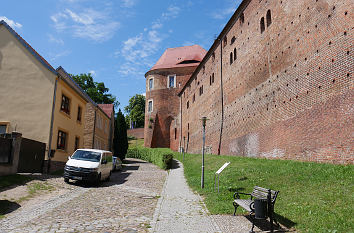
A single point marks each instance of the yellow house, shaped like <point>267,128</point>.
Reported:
<point>45,104</point>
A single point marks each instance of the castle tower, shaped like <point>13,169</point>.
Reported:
<point>163,82</point>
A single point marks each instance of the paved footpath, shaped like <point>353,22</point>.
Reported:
<point>179,209</point>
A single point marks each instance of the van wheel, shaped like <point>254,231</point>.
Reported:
<point>98,181</point>
<point>109,176</point>
<point>66,180</point>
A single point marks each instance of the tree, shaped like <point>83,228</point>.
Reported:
<point>136,111</point>
<point>96,90</point>
<point>120,141</point>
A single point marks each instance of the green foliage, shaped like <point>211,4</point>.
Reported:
<point>120,141</point>
<point>136,111</point>
<point>313,197</point>
<point>159,156</point>
<point>96,90</point>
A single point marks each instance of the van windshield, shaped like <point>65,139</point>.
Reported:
<point>87,155</point>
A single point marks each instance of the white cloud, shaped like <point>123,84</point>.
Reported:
<point>59,55</point>
<point>144,94</point>
<point>128,3</point>
<point>188,43</point>
<point>55,40</point>
<point>92,72</point>
<point>10,22</point>
<point>137,50</point>
<point>222,14</point>
<point>88,24</point>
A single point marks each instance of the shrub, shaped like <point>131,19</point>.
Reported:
<point>158,156</point>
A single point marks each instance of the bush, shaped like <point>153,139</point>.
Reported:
<point>159,156</point>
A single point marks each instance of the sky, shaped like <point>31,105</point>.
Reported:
<point>117,41</point>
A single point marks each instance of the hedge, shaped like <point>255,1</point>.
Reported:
<point>159,156</point>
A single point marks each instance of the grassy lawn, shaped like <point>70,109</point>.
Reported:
<point>9,180</point>
<point>313,197</point>
<point>136,143</point>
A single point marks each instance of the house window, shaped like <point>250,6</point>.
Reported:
<point>262,25</point>
<point>269,18</point>
<point>79,113</point>
<point>62,136</point>
<point>150,106</point>
<point>151,83</point>
<point>65,104</point>
<point>187,104</point>
<point>3,128</point>
<point>233,39</point>
<point>77,143</point>
<point>171,81</point>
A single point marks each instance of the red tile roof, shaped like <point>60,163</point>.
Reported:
<point>180,57</point>
<point>107,108</point>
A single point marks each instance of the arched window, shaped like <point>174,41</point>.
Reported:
<point>262,25</point>
<point>235,54</point>
<point>242,18</point>
<point>231,58</point>
<point>269,18</point>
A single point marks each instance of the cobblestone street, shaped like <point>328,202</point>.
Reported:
<point>124,204</point>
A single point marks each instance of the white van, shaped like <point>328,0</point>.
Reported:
<point>89,165</point>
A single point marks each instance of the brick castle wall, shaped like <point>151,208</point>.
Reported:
<point>289,90</point>
<point>137,133</point>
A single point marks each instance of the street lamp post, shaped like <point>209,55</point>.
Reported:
<point>204,119</point>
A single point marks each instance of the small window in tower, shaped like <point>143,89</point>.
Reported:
<point>193,98</point>
<point>262,25</point>
<point>225,41</point>
<point>231,58</point>
<point>203,69</point>
<point>201,90</point>
<point>212,78</point>
<point>175,133</point>
<point>171,81</point>
<point>235,54</point>
<point>269,18</point>
<point>151,84</point>
<point>213,56</point>
<point>187,104</point>
<point>150,106</point>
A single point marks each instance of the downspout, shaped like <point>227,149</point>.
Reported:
<point>222,98</point>
<point>180,114</point>
<point>94,129</point>
<point>51,124</point>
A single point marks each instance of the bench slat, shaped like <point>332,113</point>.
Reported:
<point>244,203</point>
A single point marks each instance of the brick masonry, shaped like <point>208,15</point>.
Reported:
<point>137,133</point>
<point>288,92</point>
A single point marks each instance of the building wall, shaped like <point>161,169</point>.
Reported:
<point>137,133</point>
<point>288,94</point>
<point>162,120</point>
<point>26,90</point>
<point>89,125</point>
<point>67,123</point>
<point>102,130</point>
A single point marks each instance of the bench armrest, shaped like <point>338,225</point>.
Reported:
<point>237,195</point>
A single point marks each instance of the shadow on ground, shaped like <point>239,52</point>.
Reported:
<point>264,225</point>
<point>174,164</point>
<point>7,206</point>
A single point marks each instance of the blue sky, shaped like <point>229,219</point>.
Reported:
<point>117,41</point>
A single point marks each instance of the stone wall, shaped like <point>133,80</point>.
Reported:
<point>89,124</point>
<point>288,92</point>
<point>137,133</point>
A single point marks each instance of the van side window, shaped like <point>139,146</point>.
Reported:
<point>103,158</point>
<point>109,157</point>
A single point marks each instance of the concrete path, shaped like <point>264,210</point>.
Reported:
<point>179,209</point>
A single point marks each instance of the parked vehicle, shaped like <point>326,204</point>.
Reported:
<point>117,164</point>
<point>89,165</point>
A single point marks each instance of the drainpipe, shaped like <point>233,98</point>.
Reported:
<point>51,124</point>
<point>180,125</point>
<point>94,129</point>
<point>222,98</point>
